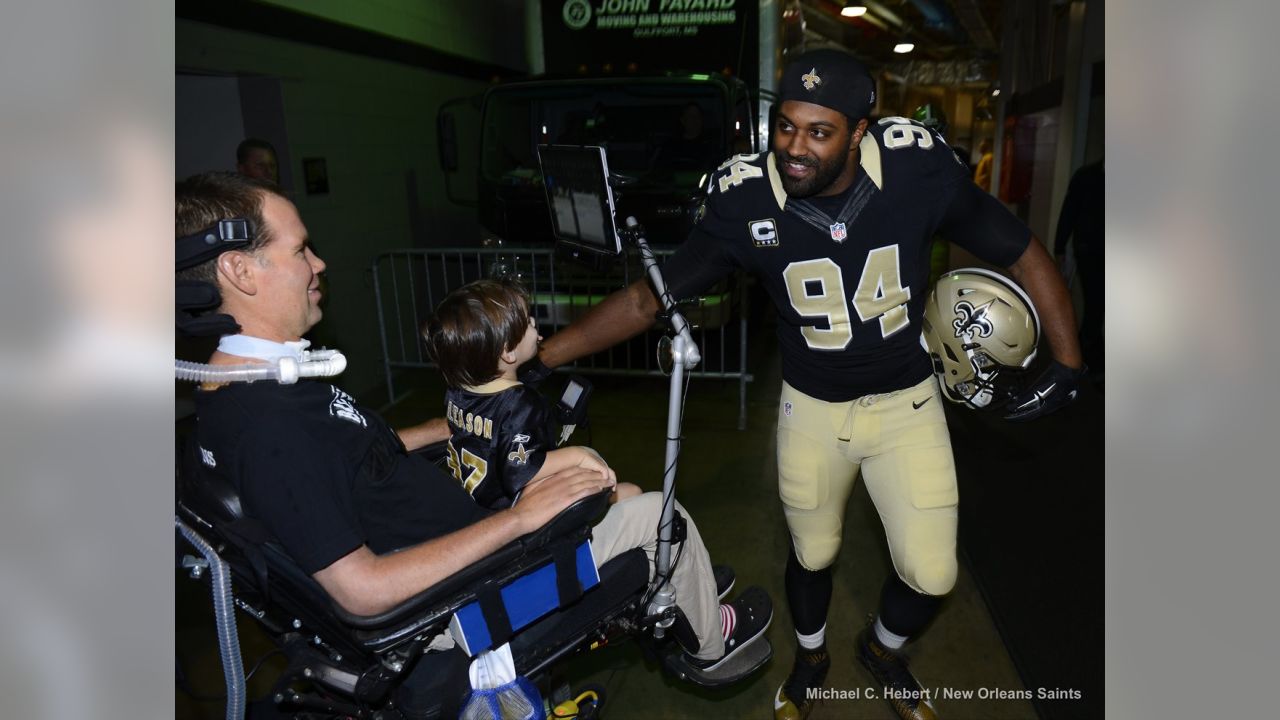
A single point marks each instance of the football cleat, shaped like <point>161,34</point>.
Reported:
<point>792,701</point>
<point>900,687</point>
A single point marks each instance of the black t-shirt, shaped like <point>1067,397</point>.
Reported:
<point>849,274</point>
<point>501,437</point>
<point>323,474</point>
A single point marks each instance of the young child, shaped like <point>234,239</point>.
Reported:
<point>503,432</point>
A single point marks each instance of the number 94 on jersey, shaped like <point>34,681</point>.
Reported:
<point>816,290</point>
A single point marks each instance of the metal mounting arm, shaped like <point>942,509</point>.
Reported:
<point>685,356</point>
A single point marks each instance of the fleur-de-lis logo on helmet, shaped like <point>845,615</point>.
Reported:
<point>811,79</point>
<point>970,318</point>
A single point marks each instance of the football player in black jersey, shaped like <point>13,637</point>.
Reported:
<point>836,224</point>
<point>503,434</point>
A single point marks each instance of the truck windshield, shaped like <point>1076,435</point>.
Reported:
<point>661,134</point>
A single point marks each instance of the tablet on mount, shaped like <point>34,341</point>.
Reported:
<point>576,178</point>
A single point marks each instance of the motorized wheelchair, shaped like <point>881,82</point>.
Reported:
<point>343,665</point>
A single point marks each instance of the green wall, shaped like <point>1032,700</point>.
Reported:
<point>487,30</point>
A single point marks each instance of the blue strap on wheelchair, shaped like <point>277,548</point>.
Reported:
<point>500,611</point>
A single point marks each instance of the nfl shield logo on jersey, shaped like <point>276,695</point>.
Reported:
<point>838,232</point>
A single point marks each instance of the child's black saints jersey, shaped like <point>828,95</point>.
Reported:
<point>848,273</point>
<point>502,432</point>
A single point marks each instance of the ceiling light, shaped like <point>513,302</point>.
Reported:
<point>995,93</point>
<point>901,48</point>
<point>854,11</point>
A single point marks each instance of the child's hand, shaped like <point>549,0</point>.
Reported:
<point>591,460</point>
<point>624,490</point>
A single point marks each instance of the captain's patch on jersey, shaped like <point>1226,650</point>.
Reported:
<point>764,233</point>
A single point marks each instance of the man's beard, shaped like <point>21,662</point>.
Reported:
<point>827,173</point>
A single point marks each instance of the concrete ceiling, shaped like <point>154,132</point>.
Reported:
<point>956,41</point>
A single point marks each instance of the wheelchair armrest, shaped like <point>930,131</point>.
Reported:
<point>512,560</point>
<point>586,512</point>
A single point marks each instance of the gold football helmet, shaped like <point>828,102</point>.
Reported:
<point>981,330</point>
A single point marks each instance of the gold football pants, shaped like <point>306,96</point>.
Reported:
<point>899,441</point>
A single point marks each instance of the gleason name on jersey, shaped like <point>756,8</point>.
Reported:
<point>470,422</point>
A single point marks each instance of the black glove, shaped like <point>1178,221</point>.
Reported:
<point>1055,388</point>
<point>533,372</point>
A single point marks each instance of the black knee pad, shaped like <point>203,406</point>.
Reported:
<point>904,611</point>
<point>808,595</point>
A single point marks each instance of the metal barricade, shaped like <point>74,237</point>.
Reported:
<point>408,284</point>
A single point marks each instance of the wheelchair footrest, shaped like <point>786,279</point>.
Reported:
<point>747,661</point>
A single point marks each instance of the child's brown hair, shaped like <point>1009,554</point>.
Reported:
<point>473,326</point>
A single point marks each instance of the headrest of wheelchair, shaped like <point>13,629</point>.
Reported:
<point>194,297</point>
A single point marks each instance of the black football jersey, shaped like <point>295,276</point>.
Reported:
<point>501,437</point>
<point>848,274</point>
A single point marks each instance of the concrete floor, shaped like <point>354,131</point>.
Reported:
<point>727,480</point>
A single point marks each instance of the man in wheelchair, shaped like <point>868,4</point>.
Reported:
<point>377,528</point>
